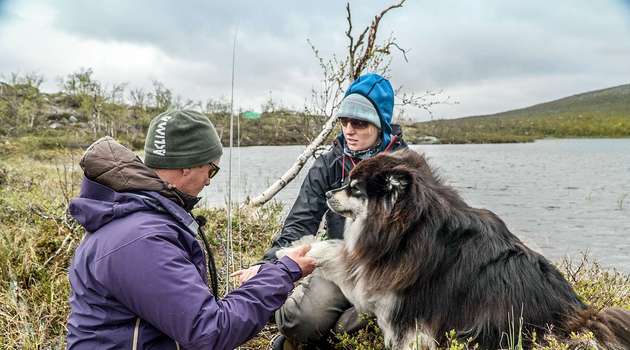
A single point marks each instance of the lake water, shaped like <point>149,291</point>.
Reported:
<point>562,197</point>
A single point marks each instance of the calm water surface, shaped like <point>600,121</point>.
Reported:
<point>562,197</point>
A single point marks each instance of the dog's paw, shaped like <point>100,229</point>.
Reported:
<point>326,252</point>
<point>308,239</point>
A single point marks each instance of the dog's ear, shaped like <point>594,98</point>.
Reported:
<point>396,182</point>
<point>398,178</point>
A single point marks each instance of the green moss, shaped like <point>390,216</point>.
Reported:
<point>603,113</point>
<point>38,240</point>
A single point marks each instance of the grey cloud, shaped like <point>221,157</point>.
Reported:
<point>271,50</point>
<point>184,28</point>
<point>477,44</point>
<point>532,49</point>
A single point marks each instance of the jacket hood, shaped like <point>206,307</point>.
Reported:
<point>98,205</point>
<point>109,163</point>
<point>117,183</point>
<point>380,92</point>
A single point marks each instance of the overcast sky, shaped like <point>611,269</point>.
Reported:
<point>490,56</point>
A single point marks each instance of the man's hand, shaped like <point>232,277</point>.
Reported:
<point>306,263</point>
<point>245,274</point>
<point>297,254</point>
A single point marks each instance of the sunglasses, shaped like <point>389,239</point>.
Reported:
<point>356,124</point>
<point>214,169</point>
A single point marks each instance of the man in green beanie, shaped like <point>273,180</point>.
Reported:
<point>183,146</point>
<point>140,278</point>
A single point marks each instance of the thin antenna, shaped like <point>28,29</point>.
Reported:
<point>230,242</point>
<point>239,186</point>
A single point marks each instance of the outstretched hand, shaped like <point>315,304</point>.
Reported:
<point>298,254</point>
<point>245,274</point>
<point>306,263</point>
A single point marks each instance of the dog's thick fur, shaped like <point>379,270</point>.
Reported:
<point>424,263</point>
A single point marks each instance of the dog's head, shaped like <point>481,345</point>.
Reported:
<point>390,201</point>
<point>381,185</point>
<point>349,200</point>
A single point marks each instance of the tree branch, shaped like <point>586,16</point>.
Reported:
<point>369,49</point>
<point>336,73</point>
<point>295,168</point>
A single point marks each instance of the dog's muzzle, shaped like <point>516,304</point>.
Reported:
<point>332,202</point>
<point>331,193</point>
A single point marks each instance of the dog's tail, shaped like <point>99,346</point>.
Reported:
<point>610,326</point>
<point>619,323</point>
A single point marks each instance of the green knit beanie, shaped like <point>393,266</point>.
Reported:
<point>181,139</point>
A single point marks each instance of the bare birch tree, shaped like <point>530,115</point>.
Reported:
<point>364,53</point>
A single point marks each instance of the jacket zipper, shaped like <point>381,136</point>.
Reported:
<point>136,331</point>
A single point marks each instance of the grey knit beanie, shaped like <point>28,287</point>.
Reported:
<point>181,139</point>
<point>357,106</point>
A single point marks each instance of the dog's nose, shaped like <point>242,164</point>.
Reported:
<point>329,194</point>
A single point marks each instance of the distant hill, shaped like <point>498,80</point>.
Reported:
<point>85,110</point>
<point>600,113</point>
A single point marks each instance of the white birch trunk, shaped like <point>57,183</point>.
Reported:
<point>290,174</point>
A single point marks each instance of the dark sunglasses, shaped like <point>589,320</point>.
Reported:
<point>214,169</point>
<point>356,124</point>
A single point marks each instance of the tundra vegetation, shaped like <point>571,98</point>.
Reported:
<point>84,109</point>
<point>601,113</point>
<point>38,240</point>
<point>43,135</point>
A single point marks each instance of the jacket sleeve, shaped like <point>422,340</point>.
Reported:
<point>153,277</point>
<point>308,209</point>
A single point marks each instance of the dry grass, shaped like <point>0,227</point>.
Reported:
<point>37,241</point>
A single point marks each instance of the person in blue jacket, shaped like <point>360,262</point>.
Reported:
<point>317,305</point>
<point>139,278</point>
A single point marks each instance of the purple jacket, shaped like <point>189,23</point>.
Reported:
<point>139,279</point>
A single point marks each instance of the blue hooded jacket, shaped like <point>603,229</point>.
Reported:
<point>380,92</point>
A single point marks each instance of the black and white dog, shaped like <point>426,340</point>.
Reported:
<point>425,263</point>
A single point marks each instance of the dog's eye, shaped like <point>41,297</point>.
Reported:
<point>356,192</point>
<point>355,189</point>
